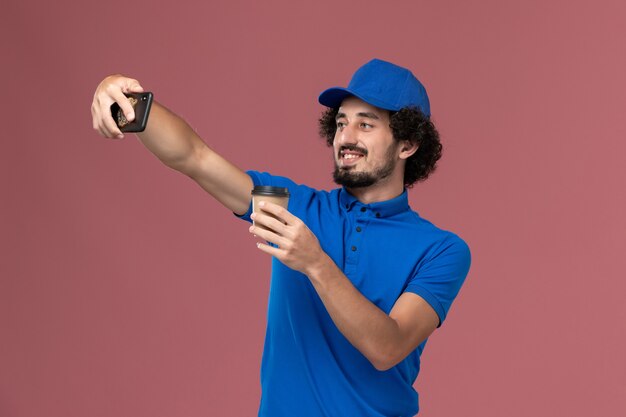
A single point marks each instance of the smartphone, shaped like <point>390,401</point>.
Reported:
<point>141,103</point>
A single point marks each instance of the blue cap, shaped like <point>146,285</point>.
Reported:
<point>383,85</point>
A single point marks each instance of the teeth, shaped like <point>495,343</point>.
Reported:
<point>350,156</point>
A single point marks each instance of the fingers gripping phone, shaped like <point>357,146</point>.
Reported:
<point>141,103</point>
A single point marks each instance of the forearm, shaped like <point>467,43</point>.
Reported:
<point>170,138</point>
<point>178,146</point>
<point>374,333</point>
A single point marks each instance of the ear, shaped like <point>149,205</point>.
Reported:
<point>407,149</point>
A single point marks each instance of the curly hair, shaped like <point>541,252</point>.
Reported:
<point>409,124</point>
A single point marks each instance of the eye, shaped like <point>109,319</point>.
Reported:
<point>366,125</point>
<point>340,125</point>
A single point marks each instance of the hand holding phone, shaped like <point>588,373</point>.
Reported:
<point>141,102</point>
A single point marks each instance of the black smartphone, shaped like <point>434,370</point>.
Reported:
<point>141,103</point>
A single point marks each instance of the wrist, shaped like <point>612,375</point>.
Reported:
<point>320,270</point>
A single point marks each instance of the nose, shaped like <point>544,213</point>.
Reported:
<point>346,135</point>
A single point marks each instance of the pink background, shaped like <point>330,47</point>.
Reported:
<point>126,291</point>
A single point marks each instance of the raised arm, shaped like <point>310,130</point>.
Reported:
<point>174,142</point>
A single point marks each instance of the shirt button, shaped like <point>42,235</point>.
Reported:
<point>363,209</point>
<point>353,248</point>
<point>377,214</point>
<point>358,228</point>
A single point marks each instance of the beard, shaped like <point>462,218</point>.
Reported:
<point>350,178</point>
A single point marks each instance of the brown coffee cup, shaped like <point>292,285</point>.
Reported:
<point>276,195</point>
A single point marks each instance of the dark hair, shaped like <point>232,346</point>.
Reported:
<point>409,124</point>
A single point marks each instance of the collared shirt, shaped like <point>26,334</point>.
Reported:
<point>385,249</point>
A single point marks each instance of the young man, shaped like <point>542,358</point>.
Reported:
<point>359,280</point>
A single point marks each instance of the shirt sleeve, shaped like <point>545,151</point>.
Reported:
<point>439,279</point>
<point>264,178</point>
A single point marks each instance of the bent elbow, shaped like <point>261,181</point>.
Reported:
<point>382,367</point>
<point>384,363</point>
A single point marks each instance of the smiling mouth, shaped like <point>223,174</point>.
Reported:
<point>350,155</point>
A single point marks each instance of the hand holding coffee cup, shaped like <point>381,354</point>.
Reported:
<point>276,195</point>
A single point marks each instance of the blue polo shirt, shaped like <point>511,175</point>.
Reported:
<point>309,368</point>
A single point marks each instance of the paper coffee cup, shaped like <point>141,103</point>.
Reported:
<point>276,195</point>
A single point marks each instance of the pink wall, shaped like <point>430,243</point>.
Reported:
<point>126,291</point>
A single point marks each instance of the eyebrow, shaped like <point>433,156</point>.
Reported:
<point>367,115</point>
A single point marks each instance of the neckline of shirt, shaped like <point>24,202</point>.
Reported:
<point>379,209</point>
